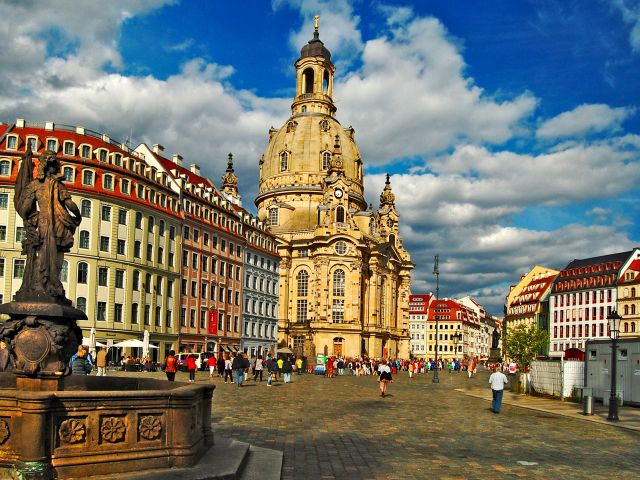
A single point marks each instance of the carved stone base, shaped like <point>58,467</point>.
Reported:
<point>42,337</point>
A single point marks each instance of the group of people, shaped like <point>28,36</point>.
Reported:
<point>82,362</point>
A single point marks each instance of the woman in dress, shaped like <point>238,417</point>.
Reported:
<point>385,377</point>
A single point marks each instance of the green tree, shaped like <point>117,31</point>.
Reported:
<point>523,342</point>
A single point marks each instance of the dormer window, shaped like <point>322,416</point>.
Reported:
<point>326,160</point>
<point>52,144</point>
<point>108,182</point>
<point>12,142</point>
<point>117,160</point>
<point>87,178</point>
<point>33,142</point>
<point>67,173</point>
<point>124,187</point>
<point>5,168</point>
<point>69,148</point>
<point>85,151</point>
<point>284,161</point>
<point>102,155</point>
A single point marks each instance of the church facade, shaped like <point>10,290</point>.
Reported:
<point>345,277</point>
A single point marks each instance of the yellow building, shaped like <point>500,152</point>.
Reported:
<point>526,302</point>
<point>629,296</point>
<point>344,274</point>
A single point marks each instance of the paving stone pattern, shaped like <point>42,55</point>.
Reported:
<point>340,428</point>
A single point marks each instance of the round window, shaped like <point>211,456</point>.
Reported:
<point>341,248</point>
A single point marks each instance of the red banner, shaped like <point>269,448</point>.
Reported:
<point>213,322</point>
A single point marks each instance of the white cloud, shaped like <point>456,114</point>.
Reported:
<point>630,11</point>
<point>583,120</point>
<point>412,97</point>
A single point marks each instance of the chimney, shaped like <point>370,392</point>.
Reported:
<point>158,149</point>
<point>177,159</point>
<point>195,169</point>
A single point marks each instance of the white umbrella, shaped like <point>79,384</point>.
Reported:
<point>145,344</point>
<point>134,342</point>
<point>100,344</point>
<point>92,341</point>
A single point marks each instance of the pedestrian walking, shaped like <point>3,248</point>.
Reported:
<point>384,372</point>
<point>81,365</point>
<point>220,365</point>
<point>240,365</point>
<point>272,368</point>
<point>259,367</point>
<point>228,368</point>
<point>287,368</point>
<point>101,362</point>
<point>192,366</point>
<point>497,380</point>
<point>170,365</point>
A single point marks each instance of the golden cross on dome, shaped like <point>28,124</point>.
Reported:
<point>315,22</point>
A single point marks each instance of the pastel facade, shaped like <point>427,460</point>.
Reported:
<point>629,296</point>
<point>418,321</point>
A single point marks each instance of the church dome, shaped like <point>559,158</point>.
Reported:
<point>315,48</point>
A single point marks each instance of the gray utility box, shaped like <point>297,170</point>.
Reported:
<point>598,370</point>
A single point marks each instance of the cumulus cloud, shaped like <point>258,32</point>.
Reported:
<point>411,96</point>
<point>630,11</point>
<point>583,120</point>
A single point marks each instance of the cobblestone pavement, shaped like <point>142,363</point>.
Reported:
<point>340,428</point>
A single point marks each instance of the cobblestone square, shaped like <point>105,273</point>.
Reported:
<point>340,428</point>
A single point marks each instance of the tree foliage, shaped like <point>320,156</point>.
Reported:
<point>523,342</point>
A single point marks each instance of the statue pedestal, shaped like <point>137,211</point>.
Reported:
<point>495,355</point>
<point>42,336</point>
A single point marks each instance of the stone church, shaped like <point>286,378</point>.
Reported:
<point>345,277</point>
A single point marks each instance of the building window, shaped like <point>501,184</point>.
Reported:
<point>172,232</point>
<point>138,220</point>
<point>4,201</point>
<point>84,239</point>
<point>81,304</point>
<point>273,216</point>
<point>147,314</point>
<point>186,233</point>
<point>104,243</point>
<point>85,151</point>
<point>122,217</point>
<point>67,173</point>
<point>326,160</point>
<point>338,283</point>
<point>284,161</point>
<point>117,313</point>
<point>5,168</point>
<point>3,233</point>
<point>149,252</point>
<point>69,148</point>
<point>137,248</point>
<point>83,272</point>
<point>303,283</point>
<point>64,271</point>
<point>85,208</point>
<point>136,280</point>
<point>18,267</point>
<point>124,187</point>
<point>119,278</point>
<point>108,182</point>
<point>106,213</point>
<point>134,313</point>
<point>160,254</point>
<point>161,228</point>
<point>52,145</point>
<point>150,225</point>
<point>87,178</point>
<point>12,142</point>
<point>102,276</point>
<point>101,312</point>
<point>340,214</point>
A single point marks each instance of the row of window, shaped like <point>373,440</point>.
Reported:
<point>268,264</point>
<point>206,238</point>
<point>258,307</point>
<point>258,284</point>
<point>259,330</point>
<point>69,148</point>
<point>285,156</point>
<point>208,290</point>
<point>580,298</point>
<point>134,319</point>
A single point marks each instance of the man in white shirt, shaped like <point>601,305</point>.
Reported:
<point>497,380</point>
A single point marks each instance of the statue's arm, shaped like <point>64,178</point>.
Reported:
<point>25,202</point>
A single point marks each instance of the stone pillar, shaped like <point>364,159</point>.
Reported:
<point>34,457</point>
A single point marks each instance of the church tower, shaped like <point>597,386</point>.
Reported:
<point>344,274</point>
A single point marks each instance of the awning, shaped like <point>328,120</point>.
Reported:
<point>224,348</point>
<point>234,348</point>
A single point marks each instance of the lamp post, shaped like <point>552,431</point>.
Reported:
<point>436,272</point>
<point>614,330</point>
<point>457,337</point>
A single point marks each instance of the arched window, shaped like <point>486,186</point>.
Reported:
<point>81,304</point>
<point>625,292</point>
<point>5,168</point>
<point>138,220</point>
<point>67,173</point>
<point>633,292</point>
<point>308,80</point>
<point>303,283</point>
<point>325,83</point>
<point>338,283</point>
<point>85,208</point>
<point>273,216</point>
<point>326,160</point>
<point>84,239</point>
<point>64,271</point>
<point>150,224</point>
<point>83,272</point>
<point>87,178</point>
<point>340,214</point>
<point>284,161</point>
<point>626,309</point>
<point>633,309</point>
<point>626,327</point>
<point>633,327</point>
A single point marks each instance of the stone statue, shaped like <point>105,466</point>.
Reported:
<point>495,340</point>
<point>315,22</point>
<point>50,218</point>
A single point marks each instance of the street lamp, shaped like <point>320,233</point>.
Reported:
<point>614,330</point>
<point>436,272</point>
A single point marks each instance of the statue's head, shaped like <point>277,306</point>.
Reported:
<point>48,162</point>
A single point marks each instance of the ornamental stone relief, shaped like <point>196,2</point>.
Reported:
<point>5,431</point>
<point>113,429</point>
<point>72,431</point>
<point>150,427</point>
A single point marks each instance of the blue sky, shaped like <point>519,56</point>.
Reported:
<point>511,128</point>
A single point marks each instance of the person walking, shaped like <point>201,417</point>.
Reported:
<point>170,365</point>
<point>272,368</point>
<point>257,370</point>
<point>384,372</point>
<point>101,362</point>
<point>81,365</point>
<point>228,368</point>
<point>220,365</point>
<point>239,366</point>
<point>299,364</point>
<point>212,364</point>
<point>192,366</point>
<point>287,368</point>
<point>497,380</point>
